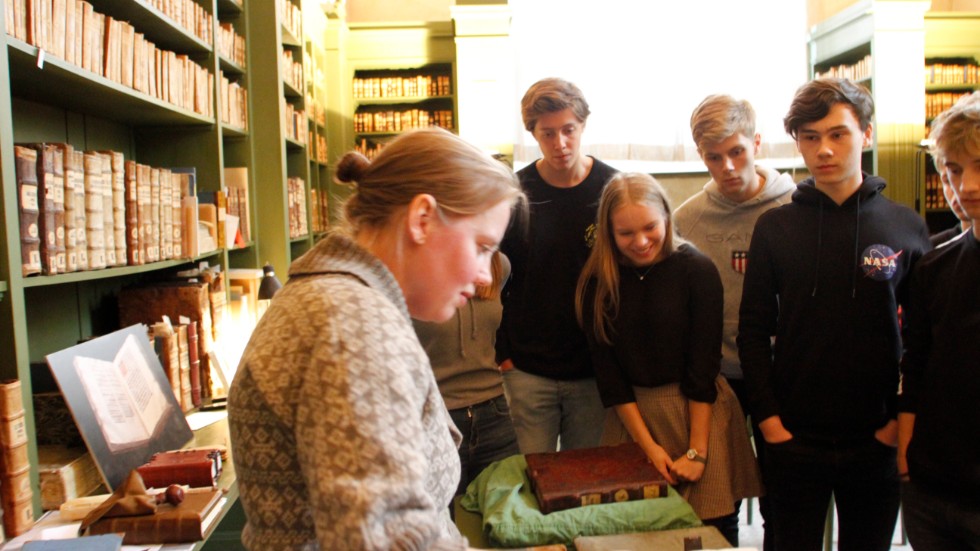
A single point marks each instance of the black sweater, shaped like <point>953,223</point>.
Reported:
<point>668,330</point>
<point>538,330</point>
<point>826,280</point>
<point>941,369</point>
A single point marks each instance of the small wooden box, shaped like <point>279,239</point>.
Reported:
<point>65,473</point>
<point>13,430</point>
<point>11,402</point>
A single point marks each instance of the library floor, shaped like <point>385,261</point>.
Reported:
<point>750,535</point>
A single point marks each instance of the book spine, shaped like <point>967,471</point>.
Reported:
<point>94,218</point>
<point>46,208</point>
<point>132,214</point>
<point>58,175</point>
<point>108,218</point>
<point>71,180</point>
<point>150,529</point>
<point>193,352</point>
<point>195,475</point>
<point>81,215</point>
<point>27,202</point>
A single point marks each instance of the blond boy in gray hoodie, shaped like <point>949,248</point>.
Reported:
<point>719,219</point>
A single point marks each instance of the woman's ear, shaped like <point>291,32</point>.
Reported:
<point>421,217</point>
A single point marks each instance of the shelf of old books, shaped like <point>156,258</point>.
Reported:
<point>165,23</point>
<point>70,86</point>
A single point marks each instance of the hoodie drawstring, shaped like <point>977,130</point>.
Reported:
<point>857,233</point>
<point>816,272</point>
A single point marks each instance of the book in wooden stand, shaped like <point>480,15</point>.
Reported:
<point>589,476</point>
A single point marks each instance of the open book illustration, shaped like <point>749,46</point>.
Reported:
<point>119,395</point>
<point>128,403</point>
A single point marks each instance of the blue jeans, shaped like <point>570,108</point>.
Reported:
<point>862,475</point>
<point>546,410</point>
<point>488,436</point>
<point>935,523</point>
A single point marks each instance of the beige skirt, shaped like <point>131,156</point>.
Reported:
<point>731,472</point>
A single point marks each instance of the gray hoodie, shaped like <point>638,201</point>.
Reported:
<point>722,229</point>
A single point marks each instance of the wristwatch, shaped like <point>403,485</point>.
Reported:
<point>693,455</point>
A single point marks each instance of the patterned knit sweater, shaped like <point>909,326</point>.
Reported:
<point>339,436</point>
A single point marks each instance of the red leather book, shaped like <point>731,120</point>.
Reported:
<point>183,523</point>
<point>573,478</point>
<point>195,468</point>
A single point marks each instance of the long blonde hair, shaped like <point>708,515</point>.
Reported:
<point>602,267</point>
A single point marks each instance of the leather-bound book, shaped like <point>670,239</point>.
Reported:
<point>573,478</point>
<point>27,203</point>
<point>195,468</point>
<point>183,523</point>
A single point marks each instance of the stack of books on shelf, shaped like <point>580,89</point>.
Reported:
<point>16,493</point>
<point>854,71</point>
<point>88,210</point>
<point>291,17</point>
<point>73,31</point>
<point>953,71</point>
<point>231,45</point>
<point>400,120</point>
<point>187,14</point>
<point>421,86</point>
<point>65,473</point>
<point>236,186</point>
<point>297,207</point>
<point>937,102</point>
<point>234,103</point>
<point>294,123</point>
<point>319,214</point>
<point>292,71</point>
<point>934,198</point>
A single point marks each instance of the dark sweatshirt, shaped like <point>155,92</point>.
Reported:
<point>941,369</point>
<point>538,330</point>
<point>826,281</point>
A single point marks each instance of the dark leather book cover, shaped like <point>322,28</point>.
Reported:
<point>194,468</point>
<point>573,478</point>
<point>183,523</point>
<point>194,361</point>
<point>27,202</point>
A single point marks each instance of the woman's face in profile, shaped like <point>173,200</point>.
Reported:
<point>452,261</point>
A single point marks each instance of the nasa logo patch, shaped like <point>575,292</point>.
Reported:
<point>880,262</point>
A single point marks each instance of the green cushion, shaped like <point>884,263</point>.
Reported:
<point>511,518</point>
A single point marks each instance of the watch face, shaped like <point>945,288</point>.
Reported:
<point>691,454</point>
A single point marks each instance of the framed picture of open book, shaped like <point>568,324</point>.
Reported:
<point>121,400</point>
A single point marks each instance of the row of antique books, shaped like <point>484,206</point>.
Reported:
<point>952,73</point>
<point>294,123</point>
<point>292,71</point>
<point>234,102</point>
<point>402,87</point>
<point>86,210</point>
<point>937,102</point>
<point>933,197</point>
<point>230,44</point>
<point>401,120</point>
<point>73,31</point>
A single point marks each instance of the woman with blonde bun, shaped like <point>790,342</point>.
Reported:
<point>339,435</point>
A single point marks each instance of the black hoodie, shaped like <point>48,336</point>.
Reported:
<point>826,280</point>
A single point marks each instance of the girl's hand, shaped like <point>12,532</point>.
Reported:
<point>662,461</point>
<point>687,470</point>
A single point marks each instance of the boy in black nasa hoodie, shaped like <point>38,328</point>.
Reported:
<point>826,275</point>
